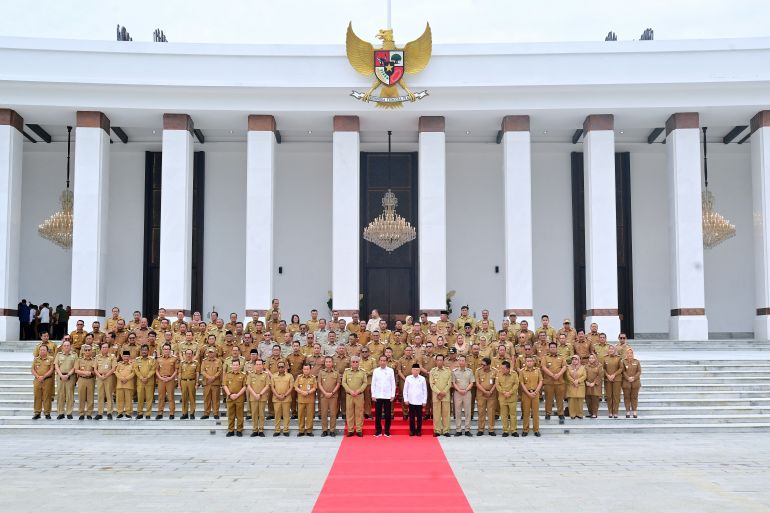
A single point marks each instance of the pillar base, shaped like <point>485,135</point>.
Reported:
<point>609,324</point>
<point>688,327</point>
<point>9,328</point>
<point>762,327</point>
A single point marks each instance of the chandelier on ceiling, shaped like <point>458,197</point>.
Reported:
<point>58,227</point>
<point>716,229</point>
<point>389,230</point>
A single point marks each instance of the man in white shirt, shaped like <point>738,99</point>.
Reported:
<point>383,392</point>
<point>415,397</point>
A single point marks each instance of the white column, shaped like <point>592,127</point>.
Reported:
<point>90,217</point>
<point>176,214</point>
<point>11,125</point>
<point>688,302</point>
<point>760,187</point>
<point>346,227</point>
<point>260,213</point>
<point>600,225</point>
<point>431,226</point>
<point>517,233</point>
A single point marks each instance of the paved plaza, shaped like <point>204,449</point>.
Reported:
<point>157,472</point>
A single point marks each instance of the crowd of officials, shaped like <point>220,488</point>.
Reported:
<point>273,369</point>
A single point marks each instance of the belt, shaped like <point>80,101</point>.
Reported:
<point>86,377</point>
<point>188,379</point>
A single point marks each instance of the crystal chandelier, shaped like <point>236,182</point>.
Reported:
<point>716,229</point>
<point>58,227</point>
<point>389,230</point>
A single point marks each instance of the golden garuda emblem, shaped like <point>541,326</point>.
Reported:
<point>389,64</point>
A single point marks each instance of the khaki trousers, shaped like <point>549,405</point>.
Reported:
<point>105,391</point>
<point>554,391</point>
<point>593,404</point>
<point>211,399</point>
<point>487,407</point>
<point>282,415</point>
<point>188,397</point>
<point>368,400</point>
<point>235,412</point>
<point>86,396</point>
<point>441,414</point>
<point>530,406</point>
<point>463,405</point>
<point>612,390</point>
<point>354,413</point>
<point>166,393</point>
<point>631,395</point>
<point>125,398</point>
<point>305,413</point>
<point>257,415</point>
<point>65,395</point>
<point>43,392</point>
<point>145,394</point>
<point>508,415</point>
<point>328,410</point>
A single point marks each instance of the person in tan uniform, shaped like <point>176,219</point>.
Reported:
<point>632,372</point>
<point>403,368</point>
<point>84,368</point>
<point>367,364</point>
<point>106,363</point>
<point>593,335</point>
<point>355,382</point>
<point>211,374</point>
<point>622,346</point>
<point>42,384</point>
<point>570,335</point>
<point>565,349</point>
<point>328,388</point>
<point>465,318</point>
<point>78,336</point>
<point>295,360</point>
<point>124,389</point>
<point>507,388</point>
<point>601,348</point>
<point>554,367</point>
<point>134,322</point>
<point>613,377</point>
<point>282,383</point>
<point>463,381</point>
<point>258,384</point>
<point>234,387</point>
<point>441,384</point>
<point>525,333</point>
<point>486,397</point>
<point>427,361</point>
<point>341,361</point>
<point>376,347</point>
<point>576,387</point>
<point>45,341</point>
<point>583,347</point>
<point>144,368</point>
<point>305,387</point>
<point>545,327</point>
<point>165,374</point>
<point>188,384</point>
<point>65,387</point>
<point>530,382</point>
<point>594,380</point>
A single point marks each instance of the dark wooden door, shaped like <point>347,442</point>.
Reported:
<point>623,223</point>
<point>151,276</point>
<point>389,280</point>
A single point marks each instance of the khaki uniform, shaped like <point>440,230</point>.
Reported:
<point>601,350</point>
<point>77,338</point>
<point>529,379</point>
<point>327,381</point>
<point>613,366</point>
<point>376,349</point>
<point>124,389</point>
<point>441,383</point>
<point>211,370</point>
<point>355,380</point>
<point>188,382</point>
<point>306,403</point>
<point>144,368</point>
<point>595,375</point>
<point>620,350</point>
<point>508,383</point>
<point>43,390</point>
<point>167,367</point>
<point>398,349</point>
<point>460,322</point>
<point>485,381</point>
<point>570,334</point>
<point>583,350</point>
<point>51,349</point>
<point>65,389</point>
<point>235,381</point>
<point>463,403</point>
<point>296,361</point>
<point>576,393</point>
<point>550,333</point>
<point>427,362</point>
<point>554,388</point>
<point>258,381</point>
<point>631,368</point>
<point>367,365</point>
<point>106,386</point>
<point>86,386</point>
<point>565,351</point>
<point>282,384</point>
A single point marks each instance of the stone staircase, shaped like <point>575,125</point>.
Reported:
<point>688,387</point>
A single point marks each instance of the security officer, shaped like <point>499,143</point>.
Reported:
<point>258,384</point>
<point>282,383</point>
<point>530,381</point>
<point>144,368</point>
<point>188,384</point>
<point>554,367</point>
<point>507,386</point>
<point>42,371</point>
<point>305,387</point>
<point>125,386</point>
<point>106,363</point>
<point>65,388</point>
<point>328,392</point>
<point>613,377</point>
<point>235,389</point>
<point>166,373</point>
<point>84,368</point>
<point>355,382</point>
<point>486,397</point>
<point>440,383</point>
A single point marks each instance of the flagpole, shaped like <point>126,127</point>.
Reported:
<point>389,27</point>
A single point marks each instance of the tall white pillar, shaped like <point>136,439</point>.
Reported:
<point>90,217</point>
<point>176,197</point>
<point>11,125</point>
<point>260,213</point>
<point>600,224</point>
<point>688,302</point>
<point>517,233</point>
<point>760,186</point>
<point>346,224</point>
<point>431,225</point>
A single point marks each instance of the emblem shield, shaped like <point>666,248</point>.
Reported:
<point>389,66</point>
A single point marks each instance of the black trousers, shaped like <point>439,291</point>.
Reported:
<point>382,407</point>
<point>415,418</point>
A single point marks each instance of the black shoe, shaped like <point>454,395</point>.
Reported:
<point>412,434</point>
<point>239,433</point>
<point>88,417</point>
<point>515,434</point>
<point>537,434</point>
<point>350,434</point>
<point>192,417</point>
<point>561,419</point>
<point>525,433</point>
<point>468,433</point>
<point>120,415</point>
<point>505,435</point>
<point>82,417</point>
<point>360,435</point>
<point>324,434</point>
<point>300,434</point>
<point>98,417</point>
<point>294,417</point>
<point>48,416</point>
<point>216,417</point>
<point>183,417</point>
<point>310,434</point>
<point>254,434</point>
<point>447,434</point>
<point>333,433</point>
<point>269,417</point>
<point>458,434</point>
<point>276,434</point>
<point>566,410</point>
<point>36,416</point>
<point>479,433</point>
<point>171,417</point>
<point>286,434</point>
<point>158,417</point>
<point>69,417</point>
<point>62,416</point>
<point>492,433</point>
<point>547,417</point>
<point>262,434</point>
<point>435,435</point>
<point>229,434</point>
<point>205,417</point>
<point>109,416</point>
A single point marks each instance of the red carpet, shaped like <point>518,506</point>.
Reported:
<point>401,473</point>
